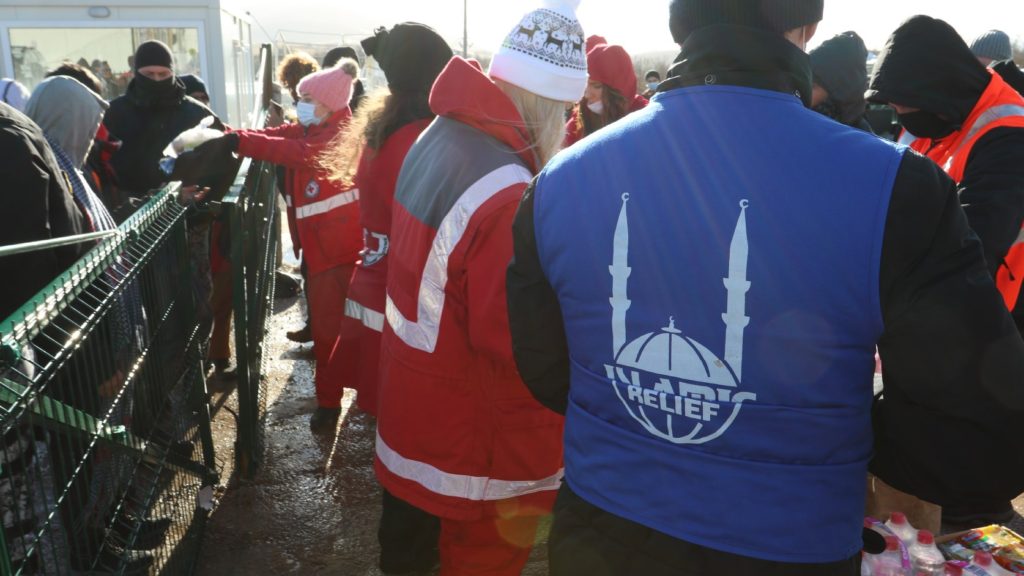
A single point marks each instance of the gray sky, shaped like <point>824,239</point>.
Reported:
<point>639,25</point>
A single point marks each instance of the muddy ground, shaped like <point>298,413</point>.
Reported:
<point>314,505</point>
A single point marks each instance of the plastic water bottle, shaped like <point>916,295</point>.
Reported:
<point>901,527</point>
<point>985,561</point>
<point>925,557</point>
<point>890,562</point>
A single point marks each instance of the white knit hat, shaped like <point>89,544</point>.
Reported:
<point>544,54</point>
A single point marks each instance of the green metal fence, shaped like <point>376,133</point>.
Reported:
<point>107,461</point>
<point>250,209</point>
<point>106,452</point>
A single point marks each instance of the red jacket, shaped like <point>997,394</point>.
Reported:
<point>457,430</point>
<point>326,213</point>
<point>356,356</point>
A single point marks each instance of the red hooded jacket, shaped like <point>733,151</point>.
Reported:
<point>326,213</point>
<point>457,431</point>
<point>356,356</point>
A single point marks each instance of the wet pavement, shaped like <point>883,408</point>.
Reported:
<point>314,505</point>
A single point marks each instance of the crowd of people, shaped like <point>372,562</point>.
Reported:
<point>652,307</point>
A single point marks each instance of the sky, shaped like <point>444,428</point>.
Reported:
<point>639,25</point>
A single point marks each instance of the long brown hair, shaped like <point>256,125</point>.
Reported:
<point>615,108</point>
<point>381,115</point>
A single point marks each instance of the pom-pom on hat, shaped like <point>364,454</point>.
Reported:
<point>331,87</point>
<point>544,53</point>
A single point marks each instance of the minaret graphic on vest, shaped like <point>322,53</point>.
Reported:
<point>673,386</point>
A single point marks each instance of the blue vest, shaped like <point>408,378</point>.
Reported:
<point>716,258</point>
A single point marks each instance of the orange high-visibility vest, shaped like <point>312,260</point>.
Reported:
<point>999,106</point>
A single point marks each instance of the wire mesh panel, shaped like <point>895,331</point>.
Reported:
<point>106,460</point>
<point>252,217</point>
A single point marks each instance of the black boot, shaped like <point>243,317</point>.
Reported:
<point>324,420</point>
<point>301,336</point>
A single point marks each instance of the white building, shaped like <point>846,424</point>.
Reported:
<point>209,38</point>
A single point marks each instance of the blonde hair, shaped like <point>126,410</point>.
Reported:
<point>379,116</point>
<point>544,120</point>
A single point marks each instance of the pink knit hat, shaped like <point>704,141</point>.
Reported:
<point>331,87</point>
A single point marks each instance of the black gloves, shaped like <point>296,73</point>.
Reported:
<point>209,158</point>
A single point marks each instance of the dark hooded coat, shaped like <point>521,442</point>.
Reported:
<point>35,204</point>
<point>925,64</point>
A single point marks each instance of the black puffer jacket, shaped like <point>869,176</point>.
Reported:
<point>1012,73</point>
<point>145,127</point>
<point>35,204</point>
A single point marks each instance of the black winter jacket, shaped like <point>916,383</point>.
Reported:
<point>144,128</point>
<point>953,361</point>
<point>1012,73</point>
<point>35,204</point>
<point>926,65</point>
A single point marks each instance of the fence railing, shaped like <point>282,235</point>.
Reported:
<point>106,451</point>
<point>251,213</point>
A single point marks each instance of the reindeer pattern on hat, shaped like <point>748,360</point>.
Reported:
<point>550,37</point>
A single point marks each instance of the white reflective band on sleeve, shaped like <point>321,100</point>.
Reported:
<point>991,115</point>
<point>907,138</point>
<point>422,334</point>
<point>987,117</point>
<point>288,200</point>
<point>458,485</point>
<point>370,318</point>
<point>324,206</point>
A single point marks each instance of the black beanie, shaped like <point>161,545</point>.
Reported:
<point>411,56</point>
<point>334,55</point>
<point>193,84</point>
<point>840,66</point>
<point>153,53</point>
<point>687,16</point>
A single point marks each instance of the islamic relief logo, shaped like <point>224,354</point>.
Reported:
<point>672,385</point>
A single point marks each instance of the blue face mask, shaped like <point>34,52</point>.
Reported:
<point>306,112</point>
<point>652,85</point>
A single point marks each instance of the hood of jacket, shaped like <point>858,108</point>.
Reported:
<point>840,67</point>
<point>732,55</point>
<point>925,64</point>
<point>463,92</point>
<point>69,113</point>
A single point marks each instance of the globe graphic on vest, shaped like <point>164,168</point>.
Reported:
<point>676,388</point>
<point>669,353</point>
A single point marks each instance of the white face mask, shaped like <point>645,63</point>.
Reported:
<point>306,111</point>
<point>596,107</point>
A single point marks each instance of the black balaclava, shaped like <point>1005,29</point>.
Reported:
<point>926,65</point>
<point>147,91</point>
